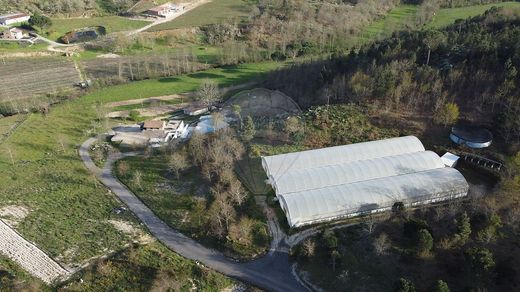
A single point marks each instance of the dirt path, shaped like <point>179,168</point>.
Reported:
<point>272,272</point>
<point>175,96</point>
<point>30,257</point>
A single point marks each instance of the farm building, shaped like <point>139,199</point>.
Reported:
<point>164,10</point>
<point>153,125</point>
<point>8,19</point>
<point>13,34</point>
<point>346,181</point>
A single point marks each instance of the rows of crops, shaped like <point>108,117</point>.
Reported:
<point>22,78</point>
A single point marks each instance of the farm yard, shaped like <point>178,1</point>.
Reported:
<point>215,11</point>
<point>24,78</point>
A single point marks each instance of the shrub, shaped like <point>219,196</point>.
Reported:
<point>441,286</point>
<point>424,242</point>
<point>404,285</point>
<point>447,115</point>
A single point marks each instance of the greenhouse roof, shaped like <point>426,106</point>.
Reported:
<point>278,165</point>
<point>360,170</point>
<point>334,202</point>
<point>326,184</point>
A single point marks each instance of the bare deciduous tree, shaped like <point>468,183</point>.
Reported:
<point>208,92</point>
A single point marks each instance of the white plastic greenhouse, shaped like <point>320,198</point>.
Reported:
<point>338,182</point>
<point>278,165</point>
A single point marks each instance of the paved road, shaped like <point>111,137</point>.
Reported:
<point>272,272</point>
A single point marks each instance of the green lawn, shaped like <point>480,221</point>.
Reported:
<point>395,20</point>
<point>60,26</point>
<point>213,12</point>
<point>448,16</point>
<point>69,208</point>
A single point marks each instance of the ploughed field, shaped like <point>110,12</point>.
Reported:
<point>22,78</point>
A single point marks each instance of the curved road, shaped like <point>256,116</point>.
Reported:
<point>272,272</point>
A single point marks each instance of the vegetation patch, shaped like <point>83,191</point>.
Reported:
<point>150,267</point>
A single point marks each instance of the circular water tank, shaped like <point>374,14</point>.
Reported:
<point>471,136</point>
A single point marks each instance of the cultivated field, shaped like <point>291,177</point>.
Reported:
<point>213,12</point>
<point>22,78</point>
<point>141,67</point>
<point>448,16</point>
<point>60,26</point>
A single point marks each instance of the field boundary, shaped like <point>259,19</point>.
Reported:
<point>29,256</point>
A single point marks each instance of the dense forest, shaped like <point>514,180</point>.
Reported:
<point>67,7</point>
<point>472,63</point>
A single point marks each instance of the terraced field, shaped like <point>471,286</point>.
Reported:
<point>23,78</point>
<point>142,67</point>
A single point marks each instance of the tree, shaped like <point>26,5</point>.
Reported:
<point>177,163</point>
<point>334,256</point>
<point>248,130</point>
<point>237,110</point>
<point>463,228</point>
<point>481,260</point>
<point>41,21</point>
<point>404,285</point>
<point>330,239</point>
<point>432,40</point>
<point>208,92</point>
<point>441,286</point>
<point>237,192</point>
<point>381,243</point>
<point>447,114</point>
<point>133,115</point>
<point>309,248</point>
<point>424,242</point>
<point>242,232</point>
<point>489,232</point>
<point>294,127</point>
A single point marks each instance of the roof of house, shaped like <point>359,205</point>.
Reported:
<point>159,8</point>
<point>13,16</point>
<point>155,124</point>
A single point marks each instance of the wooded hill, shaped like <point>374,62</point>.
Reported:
<point>473,63</point>
<point>67,7</point>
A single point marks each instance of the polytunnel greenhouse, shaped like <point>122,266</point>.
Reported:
<point>344,181</point>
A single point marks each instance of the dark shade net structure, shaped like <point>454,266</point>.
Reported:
<point>471,136</point>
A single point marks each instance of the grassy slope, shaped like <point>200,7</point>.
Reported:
<point>69,209</point>
<point>448,15</point>
<point>6,47</point>
<point>213,12</point>
<point>396,20</point>
<point>13,277</point>
<point>148,268</point>
<point>60,26</point>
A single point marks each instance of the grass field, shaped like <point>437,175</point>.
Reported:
<point>69,208</point>
<point>148,268</point>
<point>14,47</point>
<point>395,20</point>
<point>61,26</point>
<point>448,16</point>
<point>212,12</point>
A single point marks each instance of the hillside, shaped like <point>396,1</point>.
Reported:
<point>67,7</point>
